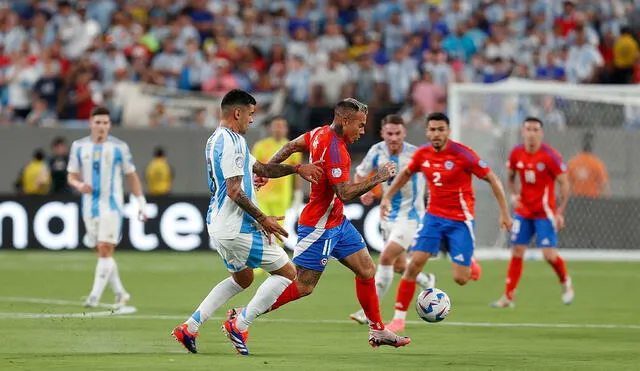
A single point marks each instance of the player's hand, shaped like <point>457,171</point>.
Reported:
<point>310,172</point>
<point>506,222</point>
<point>272,227</point>
<point>259,181</point>
<point>385,207</point>
<point>84,188</point>
<point>367,198</point>
<point>388,170</point>
<point>559,221</point>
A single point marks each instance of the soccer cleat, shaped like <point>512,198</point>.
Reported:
<point>428,281</point>
<point>91,302</point>
<point>386,337</point>
<point>359,317</point>
<point>476,269</point>
<point>567,292</point>
<point>238,338</point>
<point>184,337</point>
<point>503,302</point>
<point>396,325</point>
<point>122,298</point>
<point>234,312</point>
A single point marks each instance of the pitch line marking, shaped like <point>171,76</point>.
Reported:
<point>127,311</point>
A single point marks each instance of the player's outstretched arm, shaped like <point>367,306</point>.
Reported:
<point>498,192</point>
<point>346,191</point>
<point>268,223</point>
<point>565,190</point>
<point>511,184</point>
<point>398,183</point>
<point>136,187</point>
<point>309,172</point>
<point>296,145</point>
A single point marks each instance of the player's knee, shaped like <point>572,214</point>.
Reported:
<point>518,251</point>
<point>550,256</point>
<point>412,271</point>
<point>400,266</point>
<point>104,250</point>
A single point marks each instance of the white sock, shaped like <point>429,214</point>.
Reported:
<point>384,278</point>
<point>399,314</point>
<point>266,295</point>
<point>114,280</point>
<point>101,277</point>
<point>219,295</point>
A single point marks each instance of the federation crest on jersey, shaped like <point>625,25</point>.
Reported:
<point>336,172</point>
<point>448,165</point>
<point>239,161</point>
<point>540,166</point>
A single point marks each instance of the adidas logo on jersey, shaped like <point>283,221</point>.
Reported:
<point>426,164</point>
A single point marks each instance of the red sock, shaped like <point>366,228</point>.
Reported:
<point>289,294</point>
<point>514,271</point>
<point>368,298</point>
<point>560,268</point>
<point>406,290</point>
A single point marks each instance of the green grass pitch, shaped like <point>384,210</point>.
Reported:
<point>600,330</point>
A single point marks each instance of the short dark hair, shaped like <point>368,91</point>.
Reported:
<point>438,116</point>
<point>533,119</point>
<point>237,97</point>
<point>38,154</point>
<point>392,119</point>
<point>58,140</point>
<point>351,104</point>
<point>158,151</point>
<point>100,110</point>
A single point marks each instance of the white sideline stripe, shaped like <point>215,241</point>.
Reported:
<point>126,311</point>
<point>493,253</point>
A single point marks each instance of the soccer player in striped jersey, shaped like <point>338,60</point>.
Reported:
<point>95,169</point>
<point>448,167</point>
<point>407,206</point>
<point>538,166</point>
<point>242,234</point>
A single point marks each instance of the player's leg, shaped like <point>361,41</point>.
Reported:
<point>103,271</point>
<point>234,254</point>
<point>460,238</point>
<point>547,240</point>
<point>521,233</point>
<point>120,293</point>
<point>104,234</point>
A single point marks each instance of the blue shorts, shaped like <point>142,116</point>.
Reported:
<point>523,230</point>
<point>316,245</point>
<point>457,236</point>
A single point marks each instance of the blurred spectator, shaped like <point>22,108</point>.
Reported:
<point>625,57</point>
<point>160,117</point>
<point>297,86</point>
<point>35,178</point>
<point>159,174</point>
<point>20,78</point>
<point>400,74</point>
<point>49,85</point>
<point>426,94</point>
<point>328,82</point>
<point>368,79</point>
<point>58,166</point>
<point>584,61</point>
<point>41,115</point>
<point>587,173</point>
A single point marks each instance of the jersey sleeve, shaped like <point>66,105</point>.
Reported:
<point>415,161</point>
<point>369,163</point>
<point>337,163</point>
<point>555,163</point>
<point>231,156</point>
<point>127,160</point>
<point>476,165</point>
<point>74,159</point>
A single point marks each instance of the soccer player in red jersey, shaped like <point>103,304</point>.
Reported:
<point>538,166</point>
<point>448,167</point>
<point>323,231</point>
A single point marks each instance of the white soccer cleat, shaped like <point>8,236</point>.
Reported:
<point>386,337</point>
<point>567,292</point>
<point>359,317</point>
<point>428,281</point>
<point>91,302</point>
<point>503,302</point>
<point>121,299</point>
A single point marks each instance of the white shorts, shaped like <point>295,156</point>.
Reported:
<point>251,250</point>
<point>104,228</point>
<point>401,232</point>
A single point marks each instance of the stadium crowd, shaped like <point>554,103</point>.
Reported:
<point>60,58</point>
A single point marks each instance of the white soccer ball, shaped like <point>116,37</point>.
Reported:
<point>433,305</point>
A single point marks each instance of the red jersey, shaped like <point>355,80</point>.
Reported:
<point>537,172</point>
<point>324,209</point>
<point>448,173</point>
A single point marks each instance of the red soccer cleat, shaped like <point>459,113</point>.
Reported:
<point>476,269</point>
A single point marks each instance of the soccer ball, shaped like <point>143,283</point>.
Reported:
<point>433,305</point>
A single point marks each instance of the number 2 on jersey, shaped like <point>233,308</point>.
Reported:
<point>436,178</point>
<point>530,176</point>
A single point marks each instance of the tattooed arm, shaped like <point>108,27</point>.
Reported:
<point>348,191</point>
<point>296,145</point>
<point>309,172</point>
<point>268,223</point>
